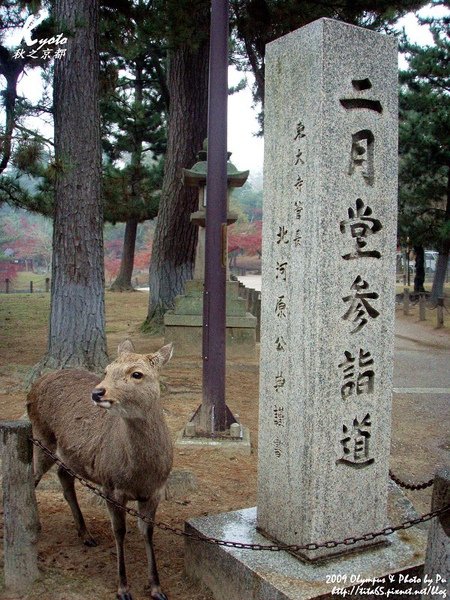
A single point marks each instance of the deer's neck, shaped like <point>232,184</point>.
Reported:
<point>142,430</point>
<point>146,445</point>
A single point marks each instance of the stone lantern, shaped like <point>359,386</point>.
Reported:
<point>196,177</point>
<point>183,324</point>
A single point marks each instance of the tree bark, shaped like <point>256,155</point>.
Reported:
<point>175,238</point>
<point>437,290</point>
<point>123,279</point>
<point>419,277</point>
<point>11,70</point>
<point>77,315</point>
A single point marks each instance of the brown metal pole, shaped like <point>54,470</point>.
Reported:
<point>213,414</point>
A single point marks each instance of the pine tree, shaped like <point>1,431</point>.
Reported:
<point>13,62</point>
<point>187,35</point>
<point>133,116</point>
<point>258,22</point>
<point>424,191</point>
<point>77,314</point>
<point>254,23</point>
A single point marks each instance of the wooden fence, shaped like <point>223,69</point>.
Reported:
<point>8,286</point>
<point>408,299</point>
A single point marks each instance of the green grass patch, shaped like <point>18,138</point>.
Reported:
<point>24,323</point>
<point>23,310</point>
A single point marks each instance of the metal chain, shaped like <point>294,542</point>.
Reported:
<point>411,486</point>
<point>231,544</point>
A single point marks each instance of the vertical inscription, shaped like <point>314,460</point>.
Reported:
<point>361,155</point>
<point>357,370</point>
<point>287,236</point>
<point>358,374</point>
<point>361,225</point>
<point>359,306</point>
<point>355,443</point>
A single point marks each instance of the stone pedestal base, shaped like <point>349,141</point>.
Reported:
<point>226,446</point>
<point>233,574</point>
<point>183,325</point>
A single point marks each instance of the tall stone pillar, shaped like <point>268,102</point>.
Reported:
<point>329,245</point>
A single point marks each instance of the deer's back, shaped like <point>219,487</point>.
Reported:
<point>95,443</point>
<point>61,401</point>
<point>63,415</point>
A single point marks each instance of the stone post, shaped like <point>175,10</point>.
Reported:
<point>7,285</point>
<point>199,268</point>
<point>422,307</point>
<point>253,294</point>
<point>258,317</point>
<point>440,313</point>
<point>406,301</point>
<point>47,284</point>
<point>21,519</point>
<point>329,246</point>
<point>437,564</point>
<point>31,287</point>
<point>247,297</point>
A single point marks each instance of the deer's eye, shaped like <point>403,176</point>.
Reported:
<point>137,375</point>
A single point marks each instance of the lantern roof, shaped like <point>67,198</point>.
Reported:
<point>196,176</point>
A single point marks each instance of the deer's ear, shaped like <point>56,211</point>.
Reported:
<point>160,358</point>
<point>125,347</point>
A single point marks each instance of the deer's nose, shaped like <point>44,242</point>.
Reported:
<point>97,394</point>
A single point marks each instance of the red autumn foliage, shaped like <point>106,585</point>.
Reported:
<point>8,270</point>
<point>112,266</point>
<point>113,248</point>
<point>142,260</point>
<point>247,240</point>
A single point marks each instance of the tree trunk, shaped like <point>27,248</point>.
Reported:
<point>419,277</point>
<point>11,70</point>
<point>437,290</point>
<point>77,315</point>
<point>123,280</point>
<point>175,238</point>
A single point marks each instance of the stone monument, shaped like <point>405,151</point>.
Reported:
<point>327,324</point>
<point>329,245</point>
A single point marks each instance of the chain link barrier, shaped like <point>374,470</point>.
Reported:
<point>240,545</point>
<point>411,486</point>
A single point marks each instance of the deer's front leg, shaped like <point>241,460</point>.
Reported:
<point>148,509</point>
<point>118,522</point>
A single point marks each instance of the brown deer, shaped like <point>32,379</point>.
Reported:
<point>113,433</point>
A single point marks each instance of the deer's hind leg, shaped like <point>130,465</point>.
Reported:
<point>42,461</point>
<point>68,486</point>
<point>41,464</point>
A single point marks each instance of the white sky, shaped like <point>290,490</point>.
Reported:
<point>247,150</point>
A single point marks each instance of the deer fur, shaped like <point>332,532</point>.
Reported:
<point>113,433</point>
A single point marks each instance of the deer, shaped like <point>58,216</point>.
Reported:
<point>113,433</point>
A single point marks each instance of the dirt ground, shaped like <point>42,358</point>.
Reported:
<point>71,571</point>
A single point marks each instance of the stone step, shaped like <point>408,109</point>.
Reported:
<point>193,305</point>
